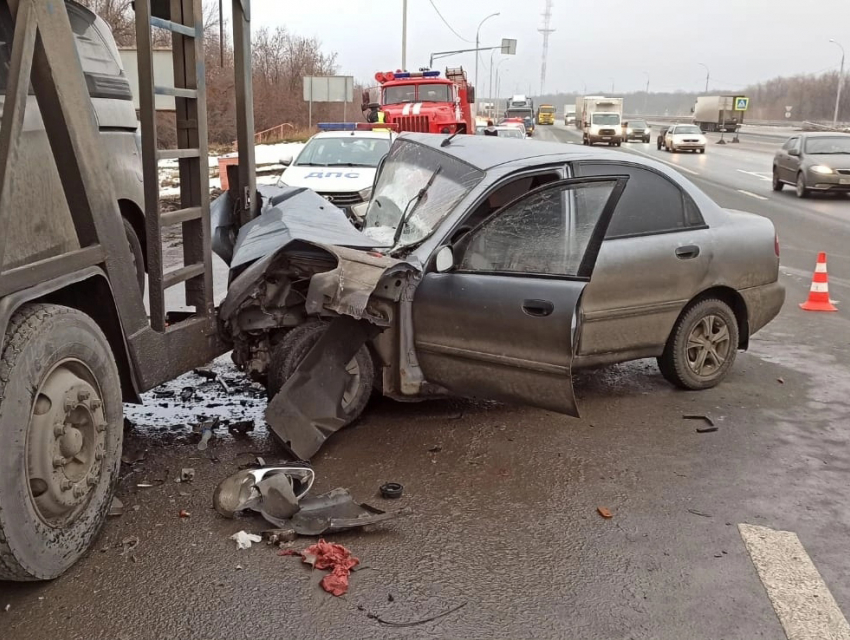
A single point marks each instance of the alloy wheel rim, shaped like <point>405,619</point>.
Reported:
<point>708,345</point>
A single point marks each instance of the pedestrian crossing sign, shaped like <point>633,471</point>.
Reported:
<point>741,104</point>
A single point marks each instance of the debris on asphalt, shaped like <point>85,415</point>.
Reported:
<point>116,508</point>
<point>700,513</point>
<point>248,489</point>
<point>780,380</point>
<point>163,393</point>
<point>129,544</point>
<point>206,430</point>
<point>709,429</point>
<point>435,449</point>
<point>244,540</point>
<point>209,374</point>
<point>390,598</point>
<point>327,555</point>
<point>279,495</point>
<point>134,457</point>
<point>7,607</point>
<point>144,485</point>
<point>604,512</point>
<point>184,514</point>
<point>390,623</point>
<point>279,536</point>
<point>241,428</point>
<point>392,490</point>
<point>187,394</point>
<point>187,474</point>
<point>227,389</point>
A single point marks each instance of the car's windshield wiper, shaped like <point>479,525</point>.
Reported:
<point>356,164</point>
<point>311,164</point>
<point>411,206</point>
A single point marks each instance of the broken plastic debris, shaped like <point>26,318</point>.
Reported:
<point>279,536</point>
<point>209,374</point>
<point>187,394</point>
<point>116,508</point>
<point>604,512</point>
<point>278,494</point>
<point>129,544</point>
<point>244,539</point>
<point>184,514</point>
<point>327,555</point>
<point>187,475</point>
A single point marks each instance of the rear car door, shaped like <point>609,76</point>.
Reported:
<point>656,257</point>
<point>500,324</point>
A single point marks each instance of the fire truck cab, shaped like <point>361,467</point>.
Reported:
<point>424,101</point>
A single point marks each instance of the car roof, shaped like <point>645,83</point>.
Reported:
<point>486,153</point>
<point>819,134</point>
<point>355,134</point>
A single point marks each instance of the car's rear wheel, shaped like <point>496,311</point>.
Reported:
<point>702,150</point>
<point>776,183</point>
<point>801,189</point>
<point>289,352</point>
<point>61,427</point>
<point>658,142</point>
<point>702,346</point>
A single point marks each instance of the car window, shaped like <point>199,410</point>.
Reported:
<point>650,204</point>
<point>343,152</point>
<point>546,232</point>
<point>796,144</point>
<point>789,143</point>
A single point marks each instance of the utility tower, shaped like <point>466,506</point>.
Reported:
<point>545,30</point>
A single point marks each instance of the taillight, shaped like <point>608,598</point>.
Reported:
<point>776,243</point>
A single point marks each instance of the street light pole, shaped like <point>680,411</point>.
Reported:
<point>477,34</point>
<point>646,94</point>
<point>840,85</point>
<point>404,36</point>
<point>612,86</point>
<point>707,75</point>
<point>492,104</point>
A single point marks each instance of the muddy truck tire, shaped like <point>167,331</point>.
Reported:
<point>61,429</point>
<point>296,344</point>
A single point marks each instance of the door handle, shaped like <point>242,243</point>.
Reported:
<point>538,308</point>
<point>687,252</point>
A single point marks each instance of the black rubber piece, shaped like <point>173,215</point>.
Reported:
<point>392,490</point>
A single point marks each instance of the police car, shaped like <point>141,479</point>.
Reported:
<point>340,162</point>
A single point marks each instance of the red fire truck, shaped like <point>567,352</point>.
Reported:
<point>423,101</point>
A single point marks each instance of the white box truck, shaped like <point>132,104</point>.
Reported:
<point>601,120</point>
<point>717,113</point>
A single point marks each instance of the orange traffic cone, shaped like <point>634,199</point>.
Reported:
<point>819,293</point>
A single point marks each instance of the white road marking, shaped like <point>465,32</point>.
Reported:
<point>672,164</point>
<point>757,174</point>
<point>800,597</point>
<point>751,194</point>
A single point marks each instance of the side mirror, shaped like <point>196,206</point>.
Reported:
<point>470,95</point>
<point>286,161</point>
<point>793,152</point>
<point>445,259</point>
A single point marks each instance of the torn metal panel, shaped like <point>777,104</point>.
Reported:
<point>308,408</point>
<point>346,290</point>
<point>295,214</point>
<point>331,512</point>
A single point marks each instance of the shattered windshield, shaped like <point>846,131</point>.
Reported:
<point>408,168</point>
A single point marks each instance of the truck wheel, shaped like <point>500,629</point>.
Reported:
<point>294,347</point>
<point>136,253</point>
<point>702,346</point>
<point>61,427</point>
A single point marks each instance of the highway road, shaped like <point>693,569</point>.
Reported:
<point>736,534</point>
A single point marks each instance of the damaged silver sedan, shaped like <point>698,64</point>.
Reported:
<point>489,268</point>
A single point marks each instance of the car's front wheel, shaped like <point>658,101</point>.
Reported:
<point>702,346</point>
<point>802,190</point>
<point>289,353</point>
<point>776,183</point>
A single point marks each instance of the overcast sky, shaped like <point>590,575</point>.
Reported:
<point>594,44</point>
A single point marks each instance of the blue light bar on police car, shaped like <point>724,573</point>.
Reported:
<point>337,126</point>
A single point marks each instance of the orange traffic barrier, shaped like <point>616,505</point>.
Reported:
<point>819,292</point>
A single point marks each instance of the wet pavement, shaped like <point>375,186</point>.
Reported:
<point>504,513</point>
<point>505,504</point>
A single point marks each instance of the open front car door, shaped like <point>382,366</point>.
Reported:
<point>498,318</point>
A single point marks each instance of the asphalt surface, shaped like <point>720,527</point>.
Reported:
<point>505,500</point>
